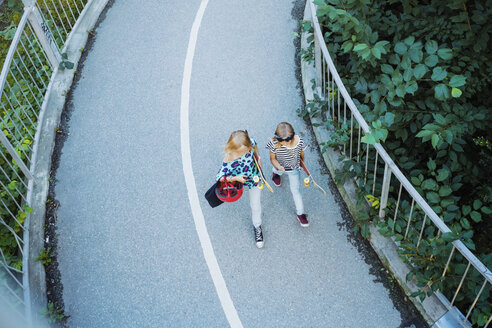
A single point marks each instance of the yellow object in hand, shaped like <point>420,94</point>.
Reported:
<point>306,182</point>
<point>260,186</point>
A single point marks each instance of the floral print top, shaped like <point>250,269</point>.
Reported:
<point>242,165</point>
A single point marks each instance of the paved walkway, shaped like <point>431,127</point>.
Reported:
<point>129,252</point>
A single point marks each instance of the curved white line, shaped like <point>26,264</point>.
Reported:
<point>201,228</point>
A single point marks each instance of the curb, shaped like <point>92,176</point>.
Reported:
<point>431,308</point>
<point>56,97</point>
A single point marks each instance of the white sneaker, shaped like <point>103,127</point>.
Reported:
<point>258,237</point>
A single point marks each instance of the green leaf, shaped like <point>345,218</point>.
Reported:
<point>365,53</point>
<point>440,119</point>
<point>12,184</point>
<point>438,74</point>
<point>465,223</point>
<point>408,74</point>
<point>466,209</point>
<point>381,43</point>
<point>445,191</point>
<point>68,64</point>
<point>416,55</point>
<point>477,204</point>
<point>441,92</point>
<point>431,61</point>
<point>430,184</point>
<point>419,71</point>
<point>435,140</point>
<point>347,46</point>
<point>415,181</point>
<point>388,69</point>
<point>409,41</point>
<point>360,46</point>
<point>400,48</point>
<point>431,164</point>
<point>445,53</point>
<point>486,210</point>
<point>477,217</point>
<point>376,52</point>
<point>446,202</point>
<point>411,87</point>
<point>442,175</point>
<point>400,91</point>
<point>452,208</point>
<point>431,47</point>
<point>425,133</point>
<point>456,147</point>
<point>389,118</point>
<point>381,135</point>
<point>369,139</point>
<point>433,197</point>
<point>455,92</point>
<point>457,81</point>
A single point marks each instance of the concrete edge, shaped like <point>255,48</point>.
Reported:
<point>431,308</point>
<point>61,83</point>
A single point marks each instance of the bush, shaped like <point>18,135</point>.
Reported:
<point>419,71</point>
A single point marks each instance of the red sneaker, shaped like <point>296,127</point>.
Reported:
<point>303,220</point>
<point>277,180</point>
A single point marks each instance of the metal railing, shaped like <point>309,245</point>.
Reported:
<point>25,82</point>
<point>342,110</point>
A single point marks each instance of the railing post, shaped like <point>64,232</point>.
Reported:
<point>317,60</point>
<point>44,36</point>
<point>385,190</point>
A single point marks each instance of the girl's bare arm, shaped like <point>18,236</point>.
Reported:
<point>275,163</point>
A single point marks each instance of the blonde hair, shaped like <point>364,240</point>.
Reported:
<point>238,139</point>
<point>284,130</point>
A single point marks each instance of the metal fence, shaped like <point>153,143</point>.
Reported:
<point>410,213</point>
<point>26,78</point>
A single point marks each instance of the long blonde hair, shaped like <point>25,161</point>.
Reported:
<point>238,139</point>
<point>284,130</point>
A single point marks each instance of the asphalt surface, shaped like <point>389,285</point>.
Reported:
<point>128,250</point>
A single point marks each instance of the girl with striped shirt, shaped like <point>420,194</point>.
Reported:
<point>286,152</point>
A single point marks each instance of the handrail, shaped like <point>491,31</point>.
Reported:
<point>26,80</point>
<point>394,169</point>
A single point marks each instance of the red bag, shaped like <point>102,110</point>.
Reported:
<point>228,191</point>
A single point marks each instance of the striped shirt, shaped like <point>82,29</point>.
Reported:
<point>289,158</point>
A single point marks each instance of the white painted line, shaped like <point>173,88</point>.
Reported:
<point>201,228</point>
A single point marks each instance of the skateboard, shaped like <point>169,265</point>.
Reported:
<point>311,177</point>
<point>262,176</point>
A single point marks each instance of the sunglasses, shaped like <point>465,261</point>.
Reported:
<point>285,139</point>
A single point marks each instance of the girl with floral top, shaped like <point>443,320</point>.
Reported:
<point>239,166</point>
<point>286,152</point>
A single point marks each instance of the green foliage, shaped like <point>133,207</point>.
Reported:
<point>45,256</point>
<point>308,53</point>
<point>53,313</point>
<point>65,63</point>
<point>419,74</point>
<point>339,135</point>
<point>21,100</point>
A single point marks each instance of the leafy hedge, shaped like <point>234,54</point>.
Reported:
<point>420,71</point>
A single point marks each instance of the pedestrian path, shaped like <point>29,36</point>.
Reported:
<point>131,250</point>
